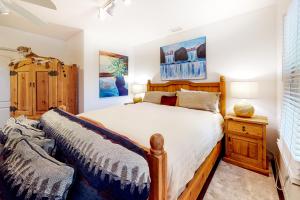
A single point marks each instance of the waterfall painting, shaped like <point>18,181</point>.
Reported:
<point>184,60</point>
<point>113,75</point>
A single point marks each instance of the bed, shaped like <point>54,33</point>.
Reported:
<point>138,122</point>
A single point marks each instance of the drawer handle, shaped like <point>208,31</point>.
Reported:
<point>244,128</point>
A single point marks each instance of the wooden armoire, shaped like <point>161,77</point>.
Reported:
<point>38,84</point>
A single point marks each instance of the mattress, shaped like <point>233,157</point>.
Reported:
<point>190,135</point>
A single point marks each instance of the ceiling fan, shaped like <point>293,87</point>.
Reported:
<point>7,6</point>
<point>10,54</point>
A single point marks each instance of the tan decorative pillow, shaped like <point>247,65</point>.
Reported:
<point>199,100</point>
<point>155,96</point>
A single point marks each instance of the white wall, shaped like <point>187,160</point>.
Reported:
<point>93,43</point>
<point>74,51</point>
<point>40,45</point>
<point>241,48</point>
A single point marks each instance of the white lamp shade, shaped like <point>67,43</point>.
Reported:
<point>138,88</point>
<point>244,90</point>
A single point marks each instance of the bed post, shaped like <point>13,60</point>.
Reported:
<point>157,159</point>
<point>223,95</point>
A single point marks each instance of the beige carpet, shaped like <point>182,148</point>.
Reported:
<point>234,183</point>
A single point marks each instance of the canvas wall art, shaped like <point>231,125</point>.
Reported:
<point>184,60</point>
<point>113,75</point>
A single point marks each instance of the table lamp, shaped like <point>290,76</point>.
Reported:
<point>243,91</point>
<point>137,90</point>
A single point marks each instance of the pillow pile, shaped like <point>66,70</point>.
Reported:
<point>16,135</point>
<point>25,129</point>
<point>27,167</point>
<point>199,100</point>
<point>32,174</point>
<point>34,123</point>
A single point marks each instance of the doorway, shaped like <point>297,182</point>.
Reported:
<point>4,91</point>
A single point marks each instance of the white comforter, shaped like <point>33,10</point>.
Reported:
<point>189,135</point>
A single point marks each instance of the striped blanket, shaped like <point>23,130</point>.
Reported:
<point>112,166</point>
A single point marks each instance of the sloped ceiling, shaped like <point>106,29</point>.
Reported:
<point>52,30</point>
<point>142,21</point>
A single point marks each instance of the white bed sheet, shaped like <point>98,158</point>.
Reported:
<point>190,135</point>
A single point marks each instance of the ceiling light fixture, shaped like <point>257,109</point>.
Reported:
<point>102,13</point>
<point>110,8</point>
<point>107,8</point>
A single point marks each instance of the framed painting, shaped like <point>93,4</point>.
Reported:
<point>113,74</point>
<point>184,60</point>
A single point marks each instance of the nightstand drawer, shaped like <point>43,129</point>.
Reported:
<point>245,128</point>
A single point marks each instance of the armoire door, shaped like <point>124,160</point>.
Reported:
<point>45,88</point>
<point>21,91</point>
<point>42,91</point>
<point>67,87</point>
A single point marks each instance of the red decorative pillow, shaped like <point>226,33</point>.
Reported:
<point>168,101</point>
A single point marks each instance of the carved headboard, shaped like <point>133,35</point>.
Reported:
<point>173,86</point>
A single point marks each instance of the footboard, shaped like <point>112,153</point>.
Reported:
<point>157,160</point>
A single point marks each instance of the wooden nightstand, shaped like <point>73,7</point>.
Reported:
<point>245,140</point>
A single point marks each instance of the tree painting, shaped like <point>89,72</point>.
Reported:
<point>113,75</point>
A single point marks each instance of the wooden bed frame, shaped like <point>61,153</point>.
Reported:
<point>157,156</point>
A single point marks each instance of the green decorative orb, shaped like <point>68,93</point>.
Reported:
<point>243,109</point>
